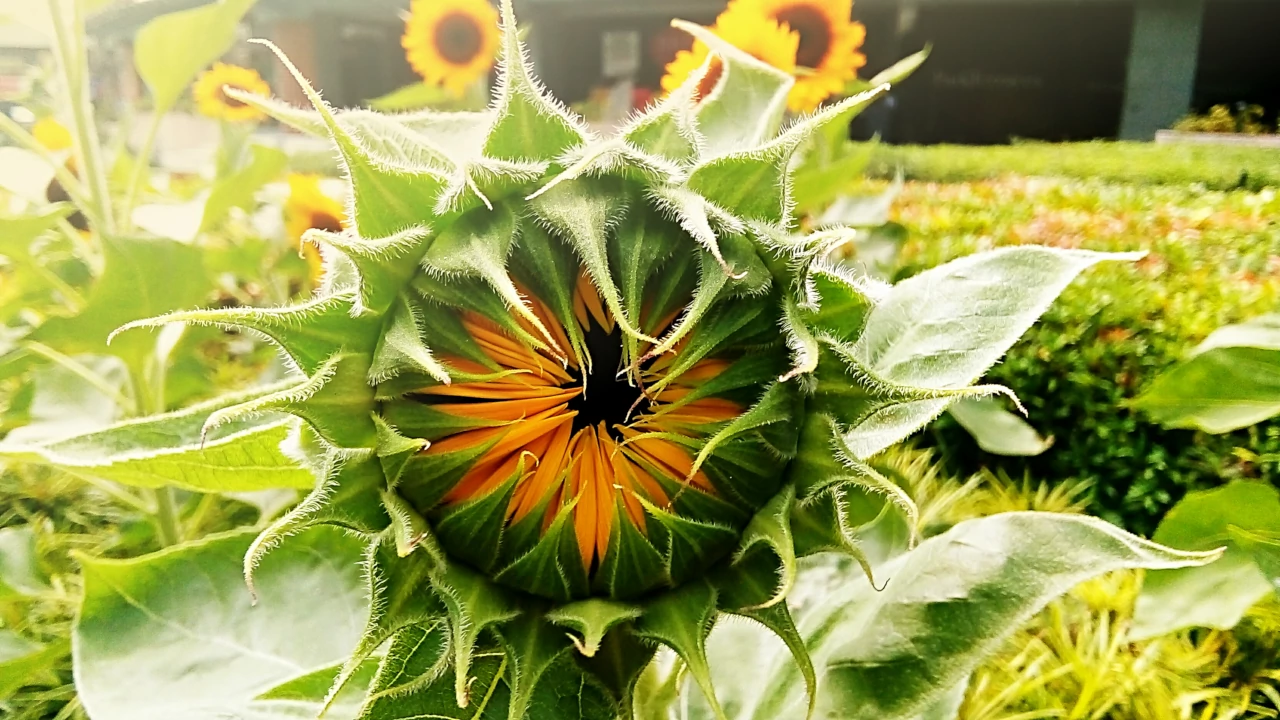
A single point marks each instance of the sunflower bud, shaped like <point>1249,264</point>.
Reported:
<point>581,394</point>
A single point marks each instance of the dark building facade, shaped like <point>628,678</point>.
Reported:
<point>1000,69</point>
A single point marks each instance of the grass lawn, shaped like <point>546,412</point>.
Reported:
<point>1216,167</point>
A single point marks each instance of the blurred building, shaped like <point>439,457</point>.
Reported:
<point>1000,69</point>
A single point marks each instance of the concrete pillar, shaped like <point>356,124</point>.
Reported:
<point>1162,65</point>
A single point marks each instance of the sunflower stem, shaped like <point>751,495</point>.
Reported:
<point>142,165</point>
<point>73,64</point>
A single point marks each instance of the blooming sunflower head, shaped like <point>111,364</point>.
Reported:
<point>755,34</point>
<point>308,207</point>
<point>829,49</point>
<point>581,394</point>
<point>212,100</point>
<point>51,134</point>
<point>452,43</point>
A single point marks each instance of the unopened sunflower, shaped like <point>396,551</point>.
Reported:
<point>582,396</point>
<point>309,208</point>
<point>212,100</point>
<point>754,34</point>
<point>451,42</point>
<point>830,42</point>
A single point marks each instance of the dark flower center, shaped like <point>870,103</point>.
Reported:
<point>325,221</point>
<point>457,38</point>
<point>814,30</point>
<point>606,397</point>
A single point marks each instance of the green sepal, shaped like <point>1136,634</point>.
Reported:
<point>695,214</point>
<point>532,646</point>
<point>592,619</point>
<point>725,322</point>
<point>681,620</point>
<point>394,450</point>
<point>421,420</point>
<point>805,350</point>
<point>547,267</point>
<point>385,263</point>
<point>349,497</point>
<point>582,214</point>
<point>308,333</point>
<point>385,200</point>
<point>747,106</point>
<point>777,618</point>
<point>553,568</point>
<point>400,596</point>
<point>335,401</point>
<point>477,296</point>
<point>778,404</point>
<point>401,349</point>
<point>712,279</point>
<point>825,461</point>
<point>771,528</point>
<point>755,183</point>
<point>842,304</point>
<point>530,125</point>
<point>478,246</point>
<point>472,531</point>
<point>410,679</point>
<point>691,545</point>
<point>474,605</point>
<point>618,666</point>
<point>644,242</point>
<point>428,477</point>
<point>668,129</point>
<point>632,565</point>
<point>410,530</point>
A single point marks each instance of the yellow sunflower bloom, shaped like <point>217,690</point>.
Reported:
<point>308,207</point>
<point>451,42</point>
<point>212,101</point>
<point>829,44</point>
<point>51,134</point>
<point>758,36</point>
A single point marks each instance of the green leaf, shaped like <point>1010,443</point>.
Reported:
<point>423,95</point>
<point>997,430</point>
<point>24,663</point>
<point>1265,548</point>
<point>19,573</point>
<point>141,278</point>
<point>945,327</point>
<point>1231,381</point>
<point>1216,595</point>
<point>172,49</point>
<point>176,635</point>
<point>238,189</point>
<point>893,654</point>
<point>173,450</point>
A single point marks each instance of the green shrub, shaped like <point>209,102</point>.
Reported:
<point>1214,259</point>
<point>1217,167</point>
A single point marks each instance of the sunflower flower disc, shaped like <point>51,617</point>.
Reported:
<point>581,394</point>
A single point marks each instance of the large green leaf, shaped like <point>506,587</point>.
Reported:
<point>997,430</point>
<point>896,653</point>
<point>944,328</point>
<point>1216,595</point>
<point>172,49</point>
<point>177,636</point>
<point>172,449</point>
<point>25,663</point>
<point>19,573</point>
<point>141,278</point>
<point>1231,381</point>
